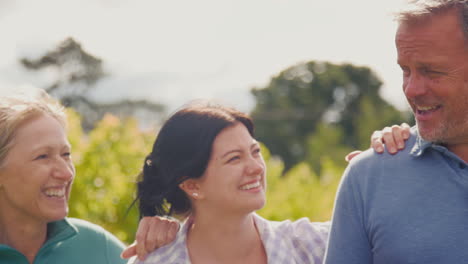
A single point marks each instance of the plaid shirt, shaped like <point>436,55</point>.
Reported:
<point>286,242</point>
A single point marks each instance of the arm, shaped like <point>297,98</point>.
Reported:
<point>393,137</point>
<point>348,242</point>
<point>153,233</point>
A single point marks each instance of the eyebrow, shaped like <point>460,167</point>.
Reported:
<point>254,144</point>
<point>48,147</point>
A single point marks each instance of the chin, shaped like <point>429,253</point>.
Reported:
<point>57,215</point>
<point>259,204</point>
<point>432,134</point>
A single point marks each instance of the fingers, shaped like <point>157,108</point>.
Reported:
<point>143,228</point>
<point>394,138</point>
<point>376,141</point>
<point>159,231</point>
<point>162,232</point>
<point>351,155</point>
<point>172,232</point>
<point>406,130</point>
<point>129,252</point>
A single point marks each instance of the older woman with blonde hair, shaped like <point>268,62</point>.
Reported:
<point>36,175</point>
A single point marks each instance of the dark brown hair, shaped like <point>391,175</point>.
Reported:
<point>181,151</point>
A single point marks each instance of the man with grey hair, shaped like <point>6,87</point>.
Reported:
<point>413,207</point>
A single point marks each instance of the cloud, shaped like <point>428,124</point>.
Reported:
<point>176,50</point>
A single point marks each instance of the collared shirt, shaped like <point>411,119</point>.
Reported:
<point>286,242</point>
<point>71,241</point>
<point>411,207</point>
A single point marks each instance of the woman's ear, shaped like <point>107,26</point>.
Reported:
<point>192,188</point>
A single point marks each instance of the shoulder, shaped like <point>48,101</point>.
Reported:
<point>79,241</point>
<point>370,164</point>
<point>301,240</point>
<point>85,226</point>
<point>87,230</point>
<point>300,228</point>
<point>174,252</point>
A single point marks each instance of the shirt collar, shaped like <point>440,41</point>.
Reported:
<point>420,145</point>
<point>56,232</point>
<point>59,231</point>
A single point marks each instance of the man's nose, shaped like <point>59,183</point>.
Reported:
<point>414,86</point>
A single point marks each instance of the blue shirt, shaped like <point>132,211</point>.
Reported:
<point>411,207</point>
<point>71,241</point>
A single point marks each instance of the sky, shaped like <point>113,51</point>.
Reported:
<point>178,50</point>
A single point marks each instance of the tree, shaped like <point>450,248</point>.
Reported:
<point>291,107</point>
<point>78,73</point>
<point>107,160</point>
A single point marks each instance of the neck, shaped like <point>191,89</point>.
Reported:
<point>224,239</point>
<point>25,236</point>
<point>461,150</point>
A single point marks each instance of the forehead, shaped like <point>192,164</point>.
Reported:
<point>232,137</point>
<point>440,35</point>
<point>40,131</point>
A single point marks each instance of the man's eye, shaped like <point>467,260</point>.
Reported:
<point>406,71</point>
<point>431,72</point>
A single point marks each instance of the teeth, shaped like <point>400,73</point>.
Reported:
<point>426,108</point>
<point>250,186</point>
<point>55,192</point>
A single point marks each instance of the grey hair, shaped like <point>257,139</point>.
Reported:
<point>418,10</point>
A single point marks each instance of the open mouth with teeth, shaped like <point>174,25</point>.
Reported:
<point>424,110</point>
<point>250,186</point>
<point>55,193</point>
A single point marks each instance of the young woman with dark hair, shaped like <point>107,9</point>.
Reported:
<point>206,168</point>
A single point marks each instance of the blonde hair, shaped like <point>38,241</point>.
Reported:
<point>18,108</point>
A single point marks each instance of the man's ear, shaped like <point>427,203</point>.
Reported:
<point>192,188</point>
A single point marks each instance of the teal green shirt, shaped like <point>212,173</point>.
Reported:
<point>71,241</point>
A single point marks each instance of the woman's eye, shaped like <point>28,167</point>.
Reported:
<point>66,154</point>
<point>256,151</point>
<point>42,156</point>
<point>233,158</point>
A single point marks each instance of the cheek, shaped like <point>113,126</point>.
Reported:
<point>72,169</point>
<point>404,82</point>
<point>262,163</point>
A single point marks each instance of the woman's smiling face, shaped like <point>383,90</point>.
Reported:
<point>37,174</point>
<point>234,179</point>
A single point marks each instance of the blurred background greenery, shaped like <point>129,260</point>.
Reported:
<point>110,156</point>
<point>308,117</point>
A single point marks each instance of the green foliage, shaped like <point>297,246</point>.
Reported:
<point>300,193</point>
<point>311,115</point>
<point>323,146</point>
<point>373,115</point>
<point>110,156</point>
<point>302,99</point>
<point>107,161</point>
